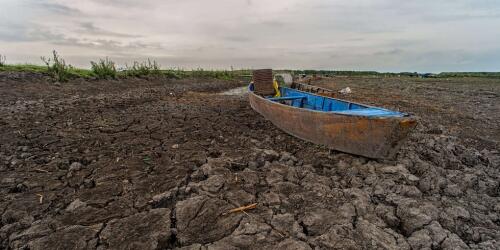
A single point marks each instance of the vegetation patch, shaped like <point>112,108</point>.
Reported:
<point>104,69</point>
<point>57,67</point>
<point>147,68</point>
<point>470,74</point>
<point>217,74</point>
<point>392,74</point>
<point>23,68</point>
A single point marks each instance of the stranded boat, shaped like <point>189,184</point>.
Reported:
<point>341,125</point>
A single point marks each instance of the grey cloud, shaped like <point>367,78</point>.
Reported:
<point>273,23</point>
<point>239,39</point>
<point>34,32</point>
<point>395,35</point>
<point>40,34</point>
<point>391,52</point>
<point>27,33</point>
<point>144,45</point>
<point>125,3</point>
<point>463,16</point>
<point>90,28</point>
<point>106,44</point>
<point>10,32</point>
<point>56,8</point>
<point>97,44</point>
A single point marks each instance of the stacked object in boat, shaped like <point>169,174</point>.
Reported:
<point>263,82</point>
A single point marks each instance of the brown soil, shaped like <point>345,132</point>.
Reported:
<point>158,163</point>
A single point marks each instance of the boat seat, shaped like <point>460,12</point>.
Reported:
<point>370,112</point>
<point>287,98</point>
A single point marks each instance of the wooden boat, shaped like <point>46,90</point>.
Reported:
<point>341,125</point>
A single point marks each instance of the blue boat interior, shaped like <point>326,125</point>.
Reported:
<point>301,99</point>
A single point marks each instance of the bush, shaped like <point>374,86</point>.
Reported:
<point>146,68</point>
<point>2,60</point>
<point>104,69</point>
<point>57,68</point>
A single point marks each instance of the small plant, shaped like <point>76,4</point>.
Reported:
<point>2,60</point>
<point>104,69</point>
<point>57,67</point>
<point>147,160</point>
<point>146,68</point>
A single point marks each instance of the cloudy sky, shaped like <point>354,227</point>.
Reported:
<point>383,35</point>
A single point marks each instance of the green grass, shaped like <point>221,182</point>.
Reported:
<point>24,68</point>
<point>146,68</point>
<point>203,73</point>
<point>84,73</point>
<point>174,73</point>
<point>75,72</point>
<point>137,72</point>
<point>104,69</point>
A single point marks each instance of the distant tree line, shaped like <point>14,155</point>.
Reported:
<point>392,74</point>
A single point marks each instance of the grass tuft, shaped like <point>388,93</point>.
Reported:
<point>147,68</point>
<point>104,69</point>
<point>57,67</point>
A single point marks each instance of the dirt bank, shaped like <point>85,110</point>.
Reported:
<point>156,164</point>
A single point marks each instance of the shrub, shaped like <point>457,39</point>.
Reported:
<point>57,67</point>
<point>2,60</point>
<point>104,69</point>
<point>146,68</point>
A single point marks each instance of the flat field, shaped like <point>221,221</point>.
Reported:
<point>158,163</point>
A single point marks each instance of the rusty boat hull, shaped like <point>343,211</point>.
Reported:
<point>373,136</point>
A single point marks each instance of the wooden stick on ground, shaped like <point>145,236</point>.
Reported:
<point>41,198</point>
<point>242,209</point>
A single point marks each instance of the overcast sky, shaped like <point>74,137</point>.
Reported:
<point>383,35</point>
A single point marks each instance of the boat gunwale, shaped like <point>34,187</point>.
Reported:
<point>405,116</point>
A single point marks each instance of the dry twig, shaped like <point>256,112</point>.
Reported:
<point>242,209</point>
<point>41,198</point>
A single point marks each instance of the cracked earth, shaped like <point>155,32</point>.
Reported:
<point>158,163</point>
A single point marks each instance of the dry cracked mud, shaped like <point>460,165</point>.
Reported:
<point>158,163</point>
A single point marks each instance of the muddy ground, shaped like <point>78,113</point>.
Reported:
<point>158,163</point>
